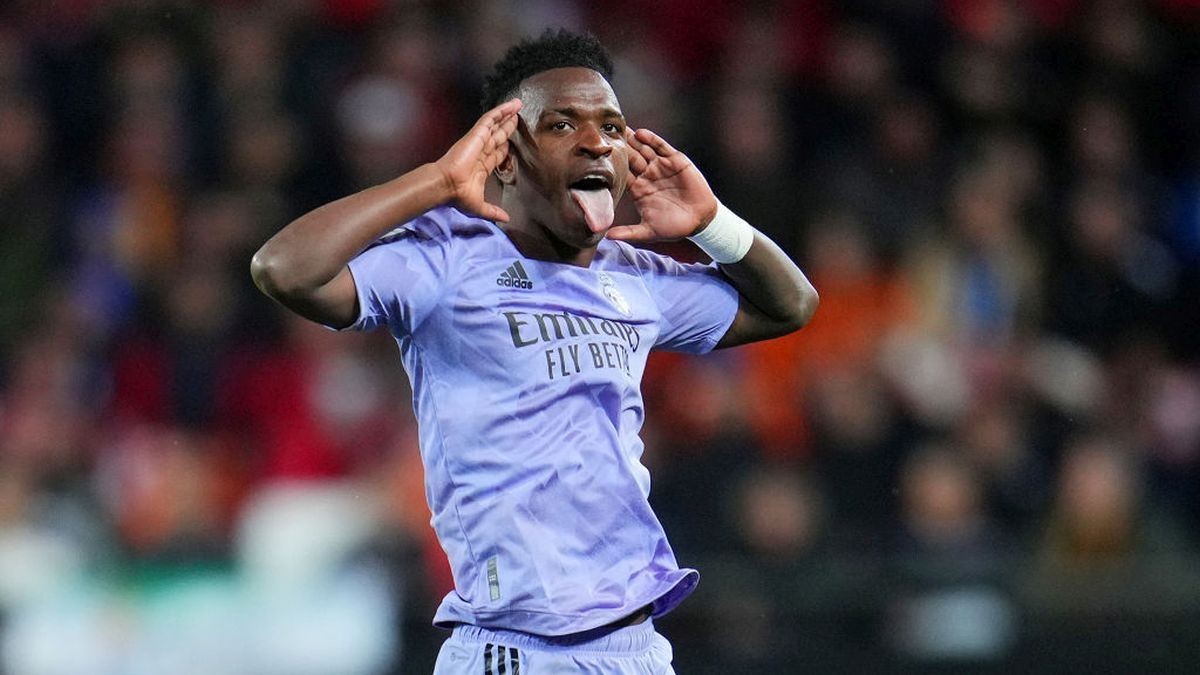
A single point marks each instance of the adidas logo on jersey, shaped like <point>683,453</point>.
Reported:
<point>514,277</point>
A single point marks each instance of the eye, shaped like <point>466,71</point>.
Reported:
<point>561,125</point>
<point>611,128</point>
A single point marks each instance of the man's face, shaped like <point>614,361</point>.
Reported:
<point>571,161</point>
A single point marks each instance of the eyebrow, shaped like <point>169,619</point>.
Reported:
<point>573,112</point>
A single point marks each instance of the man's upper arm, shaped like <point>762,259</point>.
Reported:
<point>750,324</point>
<point>395,282</point>
<point>336,303</point>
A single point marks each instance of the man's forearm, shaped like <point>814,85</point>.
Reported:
<point>776,297</point>
<point>768,279</point>
<point>314,248</point>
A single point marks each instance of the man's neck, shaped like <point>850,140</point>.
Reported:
<point>538,242</point>
<point>535,242</point>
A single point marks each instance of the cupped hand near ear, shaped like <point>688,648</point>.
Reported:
<point>468,163</point>
<point>672,197</point>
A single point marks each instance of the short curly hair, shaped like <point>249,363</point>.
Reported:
<point>552,49</point>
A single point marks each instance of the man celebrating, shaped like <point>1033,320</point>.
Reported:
<point>524,328</point>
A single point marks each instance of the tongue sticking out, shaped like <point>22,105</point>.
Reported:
<point>597,207</point>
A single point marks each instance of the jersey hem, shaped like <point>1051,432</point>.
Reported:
<point>450,614</point>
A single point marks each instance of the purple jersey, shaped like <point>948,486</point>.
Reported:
<point>526,385</point>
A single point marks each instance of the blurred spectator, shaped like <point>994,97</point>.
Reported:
<point>889,182</point>
<point>698,439</point>
<point>394,115</point>
<point>1118,36</point>
<point>865,302</point>
<point>1103,544</point>
<point>753,159</point>
<point>249,51</point>
<point>171,376</point>
<point>1112,579</point>
<point>859,438</point>
<point>783,593</point>
<point>979,288</point>
<point>1116,281</point>
<point>31,216</point>
<point>951,604</point>
<point>1172,433</point>
<point>163,488</point>
<point>942,511</point>
<point>834,119</point>
<point>316,406</point>
<point>45,412</point>
<point>1102,142</point>
<point>977,298</point>
<point>997,441</point>
<point>125,230</point>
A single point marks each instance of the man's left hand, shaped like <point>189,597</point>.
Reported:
<point>671,196</point>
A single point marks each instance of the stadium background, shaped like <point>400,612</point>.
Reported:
<point>983,454</point>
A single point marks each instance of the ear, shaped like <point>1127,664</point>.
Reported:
<point>506,170</point>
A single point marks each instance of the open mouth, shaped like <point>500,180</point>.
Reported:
<point>593,195</point>
<point>595,182</point>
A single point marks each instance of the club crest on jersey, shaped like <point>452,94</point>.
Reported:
<point>609,287</point>
<point>514,277</point>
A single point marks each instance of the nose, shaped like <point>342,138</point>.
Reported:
<point>593,143</point>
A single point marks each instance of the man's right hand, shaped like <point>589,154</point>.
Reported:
<point>468,163</point>
<point>304,266</point>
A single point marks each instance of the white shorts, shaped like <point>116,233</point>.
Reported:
<point>633,650</point>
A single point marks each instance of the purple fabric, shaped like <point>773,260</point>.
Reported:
<point>526,385</point>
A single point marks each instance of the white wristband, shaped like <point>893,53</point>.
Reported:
<point>727,237</point>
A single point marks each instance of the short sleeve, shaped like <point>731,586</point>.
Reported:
<point>697,303</point>
<point>400,279</point>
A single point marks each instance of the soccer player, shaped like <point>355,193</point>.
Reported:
<point>524,327</point>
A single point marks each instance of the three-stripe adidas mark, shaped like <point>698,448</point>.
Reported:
<point>506,660</point>
<point>514,277</point>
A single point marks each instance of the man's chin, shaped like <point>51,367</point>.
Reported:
<point>577,233</point>
<point>588,239</point>
<point>573,234</point>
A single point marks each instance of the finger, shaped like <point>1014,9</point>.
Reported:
<point>497,138</point>
<point>505,124</point>
<point>493,120</point>
<point>492,212</point>
<point>637,232</point>
<point>637,163</point>
<point>494,139</point>
<point>502,132</point>
<point>509,124</point>
<point>631,137</point>
<point>479,139</point>
<point>660,146</point>
<point>644,151</point>
<point>495,115</point>
<point>494,158</point>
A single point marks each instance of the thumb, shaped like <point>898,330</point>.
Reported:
<point>494,213</point>
<point>486,210</point>
<point>636,232</point>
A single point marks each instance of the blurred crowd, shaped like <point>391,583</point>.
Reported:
<point>983,452</point>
